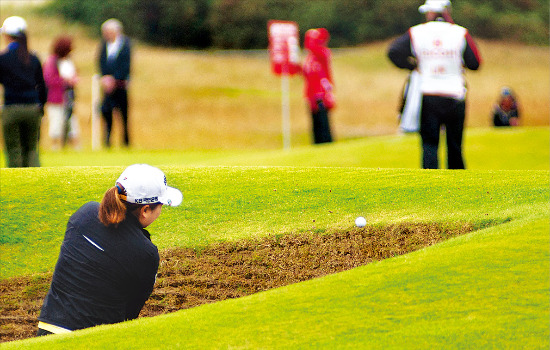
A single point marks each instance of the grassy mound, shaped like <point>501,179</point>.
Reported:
<point>189,277</point>
<point>488,288</point>
<point>477,289</point>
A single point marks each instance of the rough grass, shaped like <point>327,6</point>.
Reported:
<point>182,99</point>
<point>189,277</point>
<point>524,148</point>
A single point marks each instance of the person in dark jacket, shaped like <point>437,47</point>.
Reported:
<point>107,264</point>
<point>114,66</point>
<point>24,96</point>
<point>439,50</point>
<point>506,110</point>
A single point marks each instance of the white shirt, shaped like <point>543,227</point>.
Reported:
<point>114,48</point>
<point>66,68</point>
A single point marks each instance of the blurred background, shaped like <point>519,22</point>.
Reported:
<point>201,74</point>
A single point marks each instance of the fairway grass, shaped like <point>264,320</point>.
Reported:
<point>489,289</point>
<point>524,148</point>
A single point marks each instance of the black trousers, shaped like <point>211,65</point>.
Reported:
<point>436,112</point>
<point>21,131</point>
<point>118,99</point>
<point>321,125</point>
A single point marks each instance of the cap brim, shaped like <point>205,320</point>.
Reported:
<point>172,197</point>
<point>16,34</point>
<point>432,8</point>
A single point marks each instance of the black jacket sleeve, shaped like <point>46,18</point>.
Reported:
<point>103,58</point>
<point>40,83</point>
<point>123,61</point>
<point>400,52</point>
<point>143,291</point>
<point>471,56</point>
<point>146,269</point>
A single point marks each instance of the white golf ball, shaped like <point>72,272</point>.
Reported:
<point>360,222</point>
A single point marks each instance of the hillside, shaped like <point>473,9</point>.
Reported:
<point>184,99</point>
<point>469,291</point>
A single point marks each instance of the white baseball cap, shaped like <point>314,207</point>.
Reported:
<point>145,184</point>
<point>14,26</point>
<point>434,6</point>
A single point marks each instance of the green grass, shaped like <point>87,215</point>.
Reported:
<point>238,202</point>
<point>488,289</point>
<point>524,148</point>
<point>185,99</point>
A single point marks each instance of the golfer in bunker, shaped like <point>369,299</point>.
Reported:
<point>107,264</point>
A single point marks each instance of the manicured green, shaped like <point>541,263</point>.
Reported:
<point>488,289</point>
<point>524,148</point>
<point>239,202</point>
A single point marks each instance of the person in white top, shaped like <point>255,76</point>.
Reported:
<point>67,71</point>
<point>439,50</point>
<point>61,79</point>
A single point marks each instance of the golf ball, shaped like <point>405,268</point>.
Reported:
<point>360,222</point>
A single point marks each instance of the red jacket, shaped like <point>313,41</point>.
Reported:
<point>316,69</point>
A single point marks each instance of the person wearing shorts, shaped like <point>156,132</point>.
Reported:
<point>61,78</point>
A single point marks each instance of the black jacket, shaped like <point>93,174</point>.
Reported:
<point>23,84</point>
<point>118,67</point>
<point>103,275</point>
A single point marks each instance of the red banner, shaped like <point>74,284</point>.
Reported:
<point>284,47</point>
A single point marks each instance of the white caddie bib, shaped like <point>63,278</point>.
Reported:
<point>439,48</point>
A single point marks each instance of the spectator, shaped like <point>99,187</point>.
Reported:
<point>107,264</point>
<point>319,83</point>
<point>439,50</point>
<point>61,79</point>
<point>114,66</point>
<point>506,111</point>
<point>24,96</point>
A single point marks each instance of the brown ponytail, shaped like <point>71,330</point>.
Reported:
<point>112,211</point>
<point>23,49</point>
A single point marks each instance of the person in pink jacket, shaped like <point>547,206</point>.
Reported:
<point>318,82</point>
<point>61,78</point>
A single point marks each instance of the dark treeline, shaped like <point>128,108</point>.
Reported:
<point>242,24</point>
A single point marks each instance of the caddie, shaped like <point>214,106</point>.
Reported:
<point>439,50</point>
